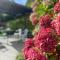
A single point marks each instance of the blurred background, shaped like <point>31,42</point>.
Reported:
<point>15,27</point>
<point>14,14</point>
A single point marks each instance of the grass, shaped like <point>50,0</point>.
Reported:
<point>20,57</point>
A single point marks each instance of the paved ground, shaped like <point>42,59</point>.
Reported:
<point>9,52</point>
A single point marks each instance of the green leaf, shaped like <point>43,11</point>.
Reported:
<point>50,6</point>
<point>41,9</point>
<point>20,57</point>
<point>52,57</point>
<point>36,29</point>
<point>58,47</point>
<point>54,1</point>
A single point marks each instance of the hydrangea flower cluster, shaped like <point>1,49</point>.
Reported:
<point>57,7</point>
<point>46,40</point>
<point>45,21</point>
<point>33,18</point>
<point>56,24</point>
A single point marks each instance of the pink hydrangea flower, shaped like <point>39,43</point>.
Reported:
<point>45,32</point>
<point>25,52</point>
<point>33,18</point>
<point>37,43</point>
<point>48,45</point>
<point>29,43</point>
<point>56,24</point>
<point>34,55</point>
<point>57,7</point>
<point>45,21</point>
<point>42,36</point>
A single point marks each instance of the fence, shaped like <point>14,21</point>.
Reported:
<point>11,38</point>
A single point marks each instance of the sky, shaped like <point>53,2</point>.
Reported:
<point>23,2</point>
